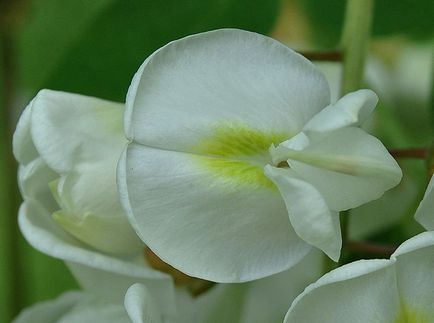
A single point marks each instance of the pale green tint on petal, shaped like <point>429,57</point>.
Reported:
<point>308,212</point>
<point>91,210</point>
<point>414,268</point>
<point>97,272</point>
<point>425,212</point>
<point>350,110</point>
<point>224,76</point>
<point>49,311</point>
<point>23,148</point>
<point>412,315</point>
<point>238,141</point>
<point>140,305</point>
<point>105,233</point>
<point>360,292</point>
<point>237,153</point>
<point>197,223</point>
<point>347,166</point>
<point>34,179</point>
<point>67,128</point>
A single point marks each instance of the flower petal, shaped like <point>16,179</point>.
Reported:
<point>224,227</point>
<point>308,212</point>
<point>23,147</point>
<point>94,309</point>
<point>68,127</point>
<point>34,179</point>
<point>414,267</point>
<point>49,311</point>
<point>360,292</point>
<point>140,305</point>
<point>350,110</point>
<point>102,274</point>
<point>347,166</point>
<point>220,78</point>
<point>94,214</point>
<point>425,212</point>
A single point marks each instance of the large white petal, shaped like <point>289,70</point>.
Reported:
<point>140,305</point>
<point>350,110</point>
<point>415,267</point>
<point>360,292</point>
<point>425,212</point>
<point>67,128</point>
<point>308,212</point>
<point>225,77</point>
<point>348,167</point>
<point>97,272</point>
<point>222,224</point>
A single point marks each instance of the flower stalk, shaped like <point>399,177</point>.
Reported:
<point>354,44</point>
<point>355,41</point>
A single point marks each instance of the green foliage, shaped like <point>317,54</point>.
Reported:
<point>94,48</point>
<point>406,17</point>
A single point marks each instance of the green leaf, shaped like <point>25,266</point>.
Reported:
<point>102,54</point>
<point>404,17</point>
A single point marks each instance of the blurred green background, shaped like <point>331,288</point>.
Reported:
<point>94,47</point>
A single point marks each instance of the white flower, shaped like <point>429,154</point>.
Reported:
<point>425,212</point>
<point>68,146</point>
<point>198,182</point>
<point>398,290</point>
<point>82,307</point>
<point>82,130</point>
<point>73,143</point>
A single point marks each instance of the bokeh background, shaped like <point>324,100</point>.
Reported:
<point>94,47</point>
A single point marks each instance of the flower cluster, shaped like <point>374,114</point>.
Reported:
<point>231,165</point>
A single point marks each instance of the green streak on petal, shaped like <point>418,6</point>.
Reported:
<point>238,153</point>
<point>411,315</point>
<point>235,140</point>
<point>237,172</point>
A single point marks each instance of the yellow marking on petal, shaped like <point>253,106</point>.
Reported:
<point>411,315</point>
<point>238,153</point>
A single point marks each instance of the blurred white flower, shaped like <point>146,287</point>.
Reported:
<point>198,181</point>
<point>82,307</point>
<point>398,290</point>
<point>425,212</point>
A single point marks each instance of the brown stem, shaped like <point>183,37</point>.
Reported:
<point>331,56</point>
<point>371,248</point>
<point>417,153</point>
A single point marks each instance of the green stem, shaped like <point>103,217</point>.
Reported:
<point>355,41</point>
<point>9,253</point>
